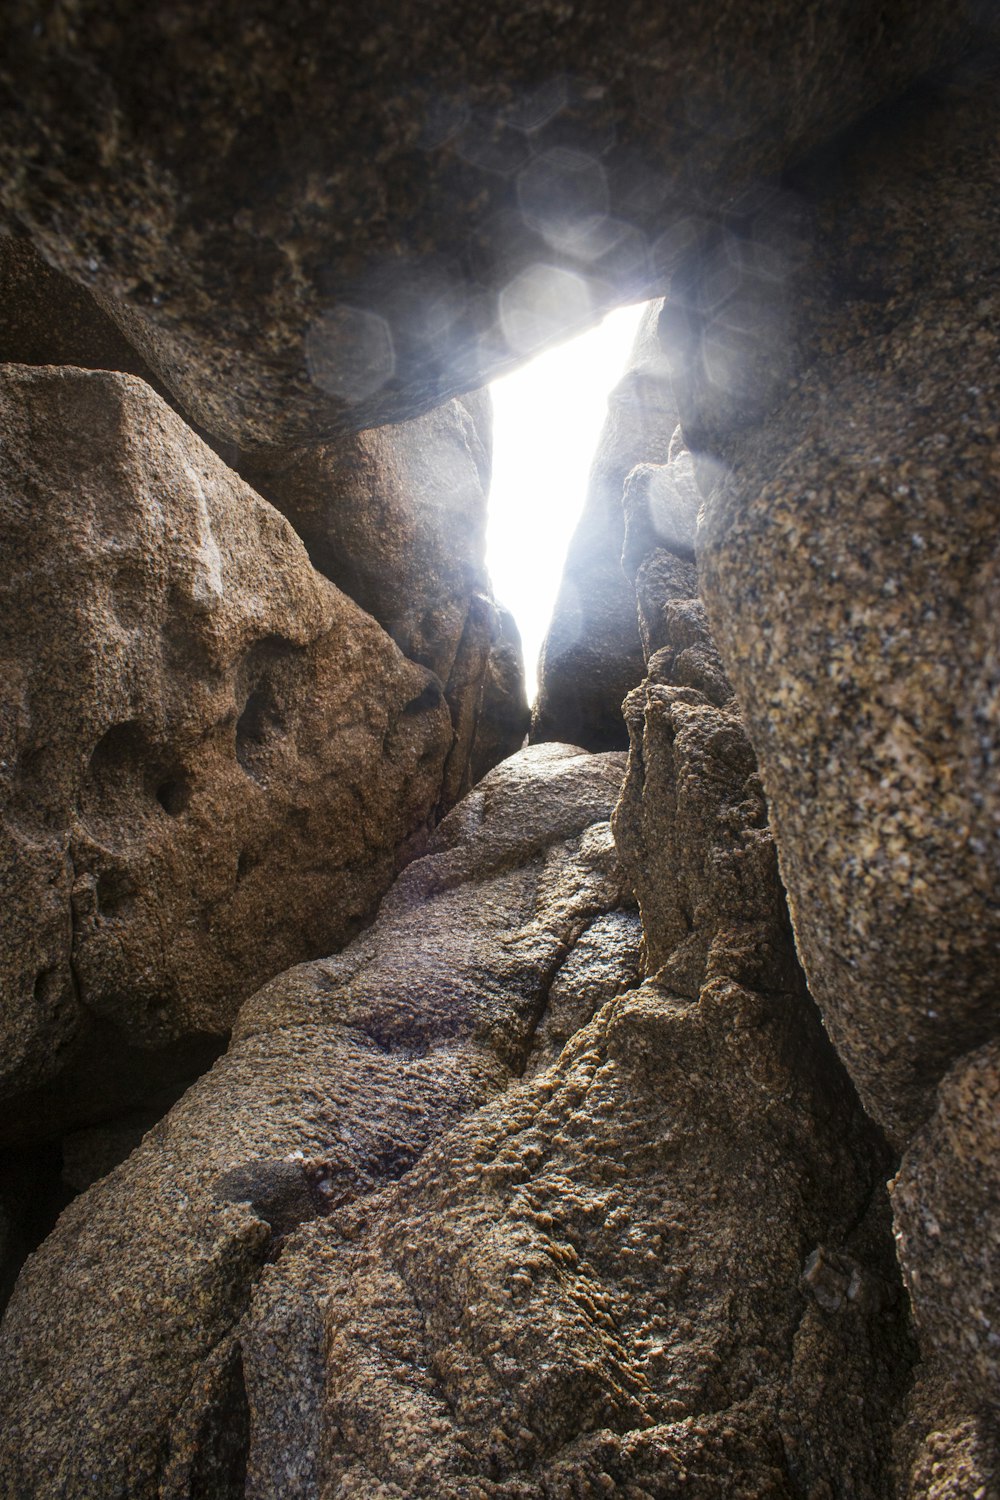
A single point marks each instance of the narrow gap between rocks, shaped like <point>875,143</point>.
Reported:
<point>547,421</point>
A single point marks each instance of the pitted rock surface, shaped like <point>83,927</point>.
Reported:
<point>118,1356</point>
<point>212,760</point>
<point>317,219</point>
<point>661,1265</point>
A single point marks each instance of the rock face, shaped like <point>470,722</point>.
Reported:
<point>663,1260</point>
<point>397,519</point>
<point>946,1204</point>
<point>592,655</point>
<point>212,759</point>
<point>504,714</point>
<point>850,565</point>
<point>851,568</point>
<point>339,1076</point>
<point>320,220</point>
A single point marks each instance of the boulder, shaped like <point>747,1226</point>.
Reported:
<point>306,220</point>
<point>212,762</point>
<point>851,571</point>
<point>396,517</point>
<point>123,1370</point>
<point>849,561</point>
<point>663,1263</point>
<point>946,1206</point>
<point>592,656</point>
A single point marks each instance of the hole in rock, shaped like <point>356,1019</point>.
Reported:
<point>128,770</point>
<point>428,699</point>
<point>547,419</point>
<point>174,796</point>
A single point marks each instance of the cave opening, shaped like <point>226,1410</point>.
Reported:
<point>547,420</point>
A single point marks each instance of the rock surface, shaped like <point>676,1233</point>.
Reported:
<point>663,1261</point>
<point>118,1354</point>
<point>852,574</point>
<point>592,656</point>
<point>946,1206</point>
<point>212,760</point>
<point>849,433</point>
<point>320,220</point>
<point>396,517</point>
<point>504,714</point>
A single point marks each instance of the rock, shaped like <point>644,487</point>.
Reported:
<point>592,656</point>
<point>316,224</point>
<point>663,1260</point>
<point>504,715</point>
<point>946,1205</point>
<point>397,518</point>
<point>46,319</point>
<point>591,1286</point>
<point>850,567</point>
<point>339,1075</point>
<point>212,760</point>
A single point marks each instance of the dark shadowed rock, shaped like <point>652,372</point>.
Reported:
<point>339,1076</point>
<point>212,760</point>
<point>319,219</point>
<point>592,654</point>
<point>946,1205</point>
<point>504,714</point>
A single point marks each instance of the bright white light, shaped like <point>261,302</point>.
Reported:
<point>547,418</point>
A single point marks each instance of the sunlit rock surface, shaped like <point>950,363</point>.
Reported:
<point>397,518</point>
<point>592,654</point>
<point>212,760</point>
<point>121,1348</point>
<point>662,1265</point>
<point>319,219</point>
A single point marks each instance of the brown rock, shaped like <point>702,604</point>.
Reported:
<point>120,1372</point>
<point>211,759</point>
<point>504,714</point>
<point>946,1206</point>
<point>397,518</point>
<point>850,568</point>
<point>319,220</point>
<point>663,1262</point>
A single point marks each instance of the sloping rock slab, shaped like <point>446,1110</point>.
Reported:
<point>119,1368</point>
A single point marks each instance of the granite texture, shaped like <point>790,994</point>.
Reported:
<point>396,517</point>
<point>212,760</point>
<point>850,566</point>
<point>661,1265</point>
<point>309,219</point>
<point>946,1207</point>
<point>121,1374</point>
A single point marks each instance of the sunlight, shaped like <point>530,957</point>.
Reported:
<point>547,418</point>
